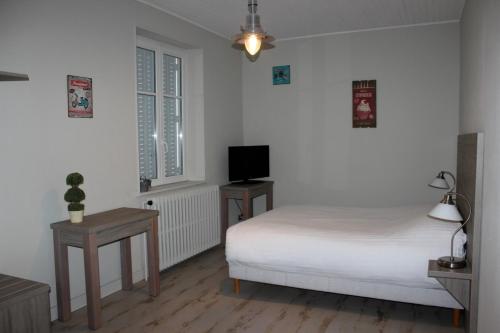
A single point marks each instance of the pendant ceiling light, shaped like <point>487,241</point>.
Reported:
<point>252,36</point>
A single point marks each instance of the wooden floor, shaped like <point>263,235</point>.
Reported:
<point>197,296</point>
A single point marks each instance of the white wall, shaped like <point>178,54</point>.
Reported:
<point>316,155</point>
<point>39,145</point>
<point>479,111</point>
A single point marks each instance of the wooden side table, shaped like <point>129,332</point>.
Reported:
<point>24,305</point>
<point>96,230</point>
<point>457,282</point>
<point>245,192</point>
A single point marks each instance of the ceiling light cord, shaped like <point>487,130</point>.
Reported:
<point>252,6</point>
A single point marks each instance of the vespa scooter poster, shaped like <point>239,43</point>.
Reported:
<point>80,97</point>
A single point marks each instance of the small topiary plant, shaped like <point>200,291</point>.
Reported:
<point>74,195</point>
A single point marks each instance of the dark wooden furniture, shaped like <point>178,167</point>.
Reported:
<point>463,283</point>
<point>24,305</point>
<point>96,230</point>
<point>245,192</point>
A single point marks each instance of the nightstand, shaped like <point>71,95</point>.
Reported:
<point>456,281</point>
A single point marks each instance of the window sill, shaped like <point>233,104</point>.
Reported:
<point>170,187</point>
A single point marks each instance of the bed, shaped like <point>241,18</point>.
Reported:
<point>377,253</point>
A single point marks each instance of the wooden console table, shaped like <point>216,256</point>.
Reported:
<point>245,192</point>
<point>96,230</point>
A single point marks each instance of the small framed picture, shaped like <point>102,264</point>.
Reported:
<point>364,104</point>
<point>281,75</point>
<point>80,97</point>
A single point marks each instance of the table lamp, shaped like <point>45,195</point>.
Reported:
<point>446,210</point>
<point>441,183</point>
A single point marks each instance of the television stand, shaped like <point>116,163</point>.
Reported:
<point>247,182</point>
<point>245,191</point>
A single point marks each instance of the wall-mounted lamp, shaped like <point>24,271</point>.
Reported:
<point>441,183</point>
<point>446,210</point>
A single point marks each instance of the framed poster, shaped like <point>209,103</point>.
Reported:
<point>281,75</point>
<point>80,97</point>
<point>364,103</point>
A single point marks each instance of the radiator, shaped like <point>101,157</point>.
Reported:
<point>188,223</point>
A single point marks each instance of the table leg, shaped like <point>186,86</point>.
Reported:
<point>247,206</point>
<point>269,198</point>
<point>62,278</point>
<point>153,258</point>
<point>93,288</point>
<point>224,218</point>
<point>126,261</point>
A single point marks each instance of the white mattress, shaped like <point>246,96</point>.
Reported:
<point>390,246</point>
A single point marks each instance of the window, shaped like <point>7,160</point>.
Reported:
<point>160,112</point>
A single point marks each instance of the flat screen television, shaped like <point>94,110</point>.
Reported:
<point>248,162</point>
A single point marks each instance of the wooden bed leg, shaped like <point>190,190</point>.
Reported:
<point>237,286</point>
<point>456,317</point>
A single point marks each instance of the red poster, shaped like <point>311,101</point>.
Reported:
<point>80,97</point>
<point>364,103</point>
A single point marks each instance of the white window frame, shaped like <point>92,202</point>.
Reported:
<point>160,49</point>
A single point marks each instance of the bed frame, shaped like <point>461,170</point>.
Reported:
<point>469,183</point>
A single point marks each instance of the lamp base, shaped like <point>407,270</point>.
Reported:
<point>452,262</point>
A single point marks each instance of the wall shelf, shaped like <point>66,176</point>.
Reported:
<point>437,271</point>
<point>456,281</point>
<point>8,76</point>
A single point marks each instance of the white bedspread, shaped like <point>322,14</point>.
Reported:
<point>390,245</point>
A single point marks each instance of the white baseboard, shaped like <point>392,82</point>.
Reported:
<point>113,286</point>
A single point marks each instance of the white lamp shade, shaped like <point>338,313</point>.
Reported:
<point>440,182</point>
<point>446,212</point>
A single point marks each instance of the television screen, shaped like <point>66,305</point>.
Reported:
<point>248,162</point>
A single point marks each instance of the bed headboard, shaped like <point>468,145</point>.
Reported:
<point>470,183</point>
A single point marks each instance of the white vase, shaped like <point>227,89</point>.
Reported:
<point>76,216</point>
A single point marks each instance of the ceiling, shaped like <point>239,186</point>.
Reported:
<point>297,18</point>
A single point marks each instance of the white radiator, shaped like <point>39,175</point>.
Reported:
<point>188,223</point>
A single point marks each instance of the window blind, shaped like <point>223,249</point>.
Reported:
<point>146,112</point>
<point>172,115</point>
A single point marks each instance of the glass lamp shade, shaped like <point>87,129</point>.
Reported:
<point>440,182</point>
<point>252,44</point>
<point>446,212</point>
<point>252,36</point>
